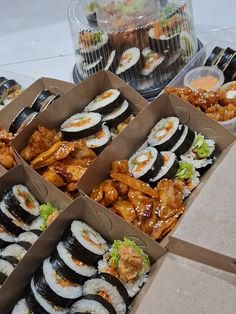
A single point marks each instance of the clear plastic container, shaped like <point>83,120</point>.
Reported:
<point>146,47</point>
<point>206,77</point>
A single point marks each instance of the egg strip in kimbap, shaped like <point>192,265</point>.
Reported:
<point>38,304</point>
<point>69,266</point>
<point>106,102</point>
<point>152,60</point>
<point>201,154</point>
<point>111,289</point>
<point>6,268</point>
<point>169,168</point>
<point>128,60</point>
<point>55,288</point>
<point>6,237</point>
<point>99,140</point>
<point>166,133</point>
<point>21,203</point>
<point>145,163</point>
<point>85,243</point>
<point>184,143</point>
<point>117,116</point>
<point>119,262</point>
<point>92,304</point>
<point>81,125</point>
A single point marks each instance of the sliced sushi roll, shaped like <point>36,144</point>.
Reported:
<point>13,253</point>
<point>99,140</point>
<point>43,100</point>
<point>81,125</point>
<point>201,154</point>
<point>22,120</point>
<point>21,203</point>
<point>169,168</point>
<point>9,90</point>
<point>54,288</point>
<point>106,102</point>
<point>27,239</point>
<point>92,304</point>
<point>111,62</point>
<point>230,70</point>
<point>6,268</point>
<point>111,289</point>
<point>6,237</point>
<point>84,243</point>
<point>113,263</point>
<point>94,66</point>
<point>36,226</point>
<point>214,56</point>
<point>2,80</point>
<point>152,60</point>
<point>21,308</point>
<point>145,163</point>
<point>225,59</point>
<point>69,267</point>
<point>117,116</point>
<point>165,133</point>
<point>184,143</point>
<point>38,304</point>
<point>11,223</point>
<point>164,43</point>
<point>128,60</point>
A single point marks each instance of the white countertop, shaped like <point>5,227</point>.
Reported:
<point>35,38</point>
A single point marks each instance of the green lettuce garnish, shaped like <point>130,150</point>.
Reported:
<point>186,171</point>
<point>45,210</point>
<point>114,253</point>
<point>97,37</point>
<point>200,147</point>
<point>91,7</point>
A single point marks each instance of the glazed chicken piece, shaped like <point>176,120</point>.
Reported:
<point>40,141</point>
<point>69,173</point>
<point>171,200</point>
<point>222,113</point>
<point>81,151</point>
<point>51,176</point>
<point>120,166</point>
<point>105,193</point>
<point>5,136</point>
<point>122,188</point>
<point>162,227</point>
<point>7,159</point>
<point>124,209</point>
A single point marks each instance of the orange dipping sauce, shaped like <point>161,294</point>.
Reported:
<point>206,82</point>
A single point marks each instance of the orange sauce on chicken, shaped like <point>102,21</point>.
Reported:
<point>206,82</point>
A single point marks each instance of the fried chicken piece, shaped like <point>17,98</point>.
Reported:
<point>5,136</point>
<point>82,151</point>
<point>97,193</point>
<point>120,166</point>
<point>85,163</point>
<point>222,113</point>
<point>40,141</point>
<point>51,176</point>
<point>163,227</point>
<point>110,193</point>
<point>69,173</point>
<point>7,159</point>
<point>122,188</point>
<point>60,150</point>
<point>124,209</point>
<point>171,200</point>
<point>71,187</point>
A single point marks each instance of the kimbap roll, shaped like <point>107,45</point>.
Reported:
<point>145,163</point>
<point>184,143</point>
<point>81,125</point>
<point>55,288</point>
<point>14,253</point>
<point>128,60</point>
<point>43,100</point>
<point>119,262</point>
<point>162,42</point>
<point>26,239</point>
<point>99,140</point>
<point>9,90</point>
<point>6,268</point>
<point>152,60</point>
<point>84,243</point>
<point>6,237</point>
<point>169,168</point>
<point>92,304</point>
<point>22,204</point>
<point>22,120</point>
<point>230,70</point>
<point>225,59</point>
<point>117,116</point>
<point>111,62</point>
<point>94,66</point>
<point>215,56</point>
<point>21,308</point>
<point>165,133</point>
<point>106,102</point>
<point>69,267</point>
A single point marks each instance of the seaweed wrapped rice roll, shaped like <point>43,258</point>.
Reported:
<point>152,60</point>
<point>92,304</point>
<point>21,308</point>
<point>99,140</point>
<point>6,237</point>
<point>22,120</point>
<point>118,115</point>
<point>128,60</point>
<point>6,268</point>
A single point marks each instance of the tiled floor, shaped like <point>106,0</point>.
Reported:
<point>35,38</point>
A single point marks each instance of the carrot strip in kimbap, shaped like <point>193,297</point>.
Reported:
<point>6,268</point>
<point>165,133</point>
<point>81,125</point>
<point>145,163</point>
<point>128,60</point>
<point>106,102</point>
<point>92,304</point>
<point>127,262</point>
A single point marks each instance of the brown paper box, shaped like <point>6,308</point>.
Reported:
<point>44,192</point>
<point>75,101</point>
<point>108,224</point>
<point>207,232</point>
<point>136,134</point>
<point>2,170</point>
<point>8,114</point>
<point>182,286</point>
